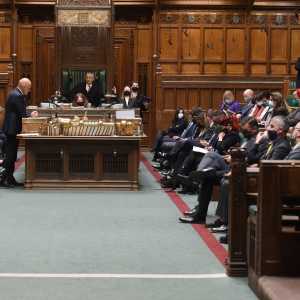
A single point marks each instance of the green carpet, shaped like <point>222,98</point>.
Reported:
<point>104,232</point>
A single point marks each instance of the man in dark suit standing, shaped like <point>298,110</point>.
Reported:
<point>15,110</point>
<point>90,88</point>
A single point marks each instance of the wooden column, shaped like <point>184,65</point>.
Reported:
<point>237,222</point>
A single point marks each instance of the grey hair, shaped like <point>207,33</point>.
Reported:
<point>282,123</point>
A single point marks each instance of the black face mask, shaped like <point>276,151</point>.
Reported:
<point>135,90</point>
<point>126,93</point>
<point>247,134</point>
<point>272,135</point>
<point>225,130</point>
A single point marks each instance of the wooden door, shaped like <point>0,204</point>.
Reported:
<point>123,60</point>
<point>45,83</point>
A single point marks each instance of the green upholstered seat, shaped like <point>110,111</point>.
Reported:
<point>71,78</point>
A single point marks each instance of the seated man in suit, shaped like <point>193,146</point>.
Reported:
<point>275,146</point>
<point>15,110</point>
<point>295,152</point>
<point>248,96</point>
<point>90,89</point>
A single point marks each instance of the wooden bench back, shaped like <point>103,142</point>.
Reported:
<point>243,192</point>
<point>278,236</point>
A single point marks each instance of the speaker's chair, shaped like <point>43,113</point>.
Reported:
<point>71,78</point>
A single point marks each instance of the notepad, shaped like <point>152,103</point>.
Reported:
<point>200,150</point>
<point>125,114</point>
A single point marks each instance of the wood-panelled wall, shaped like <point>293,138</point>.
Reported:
<point>36,59</point>
<point>133,44</point>
<point>5,54</point>
<point>173,92</point>
<point>228,43</point>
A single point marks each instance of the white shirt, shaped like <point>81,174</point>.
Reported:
<point>88,87</point>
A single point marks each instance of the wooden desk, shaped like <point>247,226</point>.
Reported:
<point>82,162</point>
<point>91,113</point>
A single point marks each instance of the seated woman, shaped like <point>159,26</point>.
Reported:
<point>178,125</point>
<point>229,104</point>
<point>278,104</point>
<point>80,100</point>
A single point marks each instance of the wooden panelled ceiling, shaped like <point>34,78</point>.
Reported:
<point>245,3</point>
<point>38,2</point>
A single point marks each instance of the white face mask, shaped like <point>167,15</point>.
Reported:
<point>271,103</point>
<point>180,115</point>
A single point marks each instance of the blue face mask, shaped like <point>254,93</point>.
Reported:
<point>228,101</point>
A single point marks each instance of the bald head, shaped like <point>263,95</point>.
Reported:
<point>248,95</point>
<point>24,85</point>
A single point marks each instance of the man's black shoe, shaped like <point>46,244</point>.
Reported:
<point>191,220</point>
<point>13,181</point>
<point>224,239</point>
<point>217,223</point>
<point>199,176</point>
<point>191,212</point>
<point>7,184</point>
<point>19,184</point>
<point>221,229</point>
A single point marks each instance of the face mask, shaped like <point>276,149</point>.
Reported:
<point>126,93</point>
<point>271,103</point>
<point>180,115</point>
<point>80,103</point>
<point>272,135</point>
<point>228,101</point>
<point>246,133</point>
<point>135,90</point>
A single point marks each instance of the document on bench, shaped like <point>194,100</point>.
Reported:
<point>200,150</point>
<point>125,114</point>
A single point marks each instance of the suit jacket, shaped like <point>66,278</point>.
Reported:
<point>15,110</point>
<point>294,154</point>
<point>230,139</point>
<point>294,117</point>
<point>280,149</point>
<point>139,102</point>
<point>190,131</point>
<point>246,109</point>
<point>131,103</point>
<point>94,95</point>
